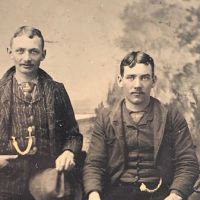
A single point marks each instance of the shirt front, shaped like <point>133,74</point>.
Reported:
<point>139,140</point>
<point>30,113</point>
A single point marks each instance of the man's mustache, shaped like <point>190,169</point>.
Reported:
<point>137,92</point>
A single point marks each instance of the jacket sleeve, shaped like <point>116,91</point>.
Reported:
<point>185,160</point>
<point>95,165</point>
<point>70,138</point>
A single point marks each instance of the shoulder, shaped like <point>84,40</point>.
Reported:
<point>176,117</point>
<point>3,83</point>
<point>174,111</point>
<point>52,84</point>
<point>157,102</point>
<point>46,78</point>
<point>7,77</point>
<point>171,109</point>
<point>104,116</point>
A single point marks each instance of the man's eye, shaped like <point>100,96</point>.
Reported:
<point>130,77</point>
<point>20,51</point>
<point>34,52</point>
<point>145,78</point>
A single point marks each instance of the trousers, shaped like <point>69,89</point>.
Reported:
<point>132,192</point>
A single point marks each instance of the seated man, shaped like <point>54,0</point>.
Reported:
<point>37,124</point>
<point>140,149</point>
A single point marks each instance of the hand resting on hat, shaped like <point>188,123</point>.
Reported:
<point>65,161</point>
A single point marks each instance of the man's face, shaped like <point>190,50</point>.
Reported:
<point>137,83</point>
<point>27,53</point>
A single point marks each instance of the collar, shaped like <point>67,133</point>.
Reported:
<point>6,82</point>
<point>36,93</point>
<point>116,114</point>
<point>147,115</point>
<point>10,73</point>
<point>20,80</point>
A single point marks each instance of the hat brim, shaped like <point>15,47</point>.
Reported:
<point>49,184</point>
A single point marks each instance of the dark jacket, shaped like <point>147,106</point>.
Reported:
<point>63,128</point>
<point>174,153</point>
<point>61,124</point>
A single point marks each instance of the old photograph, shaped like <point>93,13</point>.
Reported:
<point>100,100</point>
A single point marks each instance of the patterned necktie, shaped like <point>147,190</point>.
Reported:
<point>27,88</point>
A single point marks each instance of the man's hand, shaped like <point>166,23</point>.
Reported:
<point>4,159</point>
<point>173,196</point>
<point>65,161</point>
<point>94,196</point>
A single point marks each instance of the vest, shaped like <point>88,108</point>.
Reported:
<point>139,138</point>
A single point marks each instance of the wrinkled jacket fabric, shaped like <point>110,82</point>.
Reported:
<point>174,154</point>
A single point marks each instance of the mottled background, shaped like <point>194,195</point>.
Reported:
<point>86,40</point>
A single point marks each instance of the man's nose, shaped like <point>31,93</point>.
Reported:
<point>137,83</point>
<point>26,56</point>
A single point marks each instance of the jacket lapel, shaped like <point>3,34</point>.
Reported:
<point>159,122</point>
<point>117,124</point>
<point>6,99</point>
<point>49,95</point>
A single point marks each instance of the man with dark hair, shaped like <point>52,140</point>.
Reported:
<point>140,149</point>
<point>38,129</point>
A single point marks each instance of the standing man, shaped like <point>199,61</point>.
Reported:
<point>140,150</point>
<point>37,124</point>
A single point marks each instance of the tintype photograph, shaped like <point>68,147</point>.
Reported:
<point>100,100</point>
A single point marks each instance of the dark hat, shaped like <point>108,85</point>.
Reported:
<point>50,184</point>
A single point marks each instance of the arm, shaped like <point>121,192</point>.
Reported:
<point>70,138</point>
<point>96,161</point>
<point>185,161</point>
<point>73,140</point>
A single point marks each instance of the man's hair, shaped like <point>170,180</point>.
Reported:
<point>134,57</point>
<point>29,32</point>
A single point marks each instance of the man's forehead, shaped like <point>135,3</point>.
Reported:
<point>26,40</point>
<point>138,69</point>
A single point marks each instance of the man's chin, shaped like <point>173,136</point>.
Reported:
<point>28,69</point>
<point>137,101</point>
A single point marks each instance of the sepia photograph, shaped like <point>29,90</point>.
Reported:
<point>100,100</point>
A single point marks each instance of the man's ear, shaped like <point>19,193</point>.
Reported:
<point>44,52</point>
<point>9,51</point>
<point>119,81</point>
<point>154,80</point>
